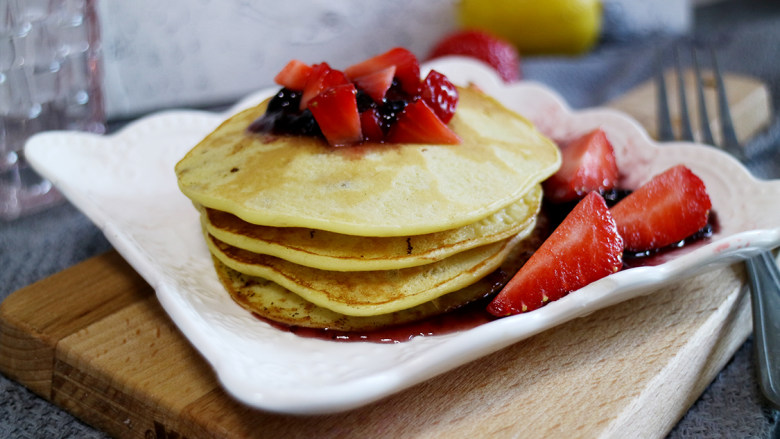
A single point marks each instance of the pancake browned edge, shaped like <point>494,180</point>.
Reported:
<point>367,293</point>
<point>270,301</point>
<point>338,252</point>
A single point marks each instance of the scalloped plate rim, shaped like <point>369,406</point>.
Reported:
<point>449,351</point>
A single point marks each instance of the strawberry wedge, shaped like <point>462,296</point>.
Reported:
<point>321,78</point>
<point>584,248</point>
<point>407,68</point>
<point>370,125</point>
<point>419,124</point>
<point>377,83</point>
<point>336,112</point>
<point>670,207</point>
<point>293,75</point>
<point>587,164</point>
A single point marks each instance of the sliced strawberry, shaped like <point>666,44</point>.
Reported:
<point>336,113</point>
<point>488,48</point>
<point>321,78</point>
<point>370,124</point>
<point>587,164</point>
<point>670,207</point>
<point>405,62</point>
<point>585,247</point>
<point>440,94</point>
<point>293,75</point>
<point>377,83</point>
<point>419,124</point>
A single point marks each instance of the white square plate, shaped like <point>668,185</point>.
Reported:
<point>125,183</point>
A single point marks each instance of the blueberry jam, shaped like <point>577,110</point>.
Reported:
<point>556,212</point>
<point>283,116</point>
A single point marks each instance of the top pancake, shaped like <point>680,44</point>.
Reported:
<point>372,189</point>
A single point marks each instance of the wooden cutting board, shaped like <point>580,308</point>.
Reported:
<point>94,340</point>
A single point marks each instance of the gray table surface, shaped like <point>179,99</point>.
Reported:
<point>746,36</point>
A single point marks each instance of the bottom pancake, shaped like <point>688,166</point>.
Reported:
<point>271,301</point>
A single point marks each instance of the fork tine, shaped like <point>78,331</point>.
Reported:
<point>686,132</point>
<point>730,142</point>
<point>704,119</point>
<point>665,133</point>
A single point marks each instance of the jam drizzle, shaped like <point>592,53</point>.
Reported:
<point>464,318</point>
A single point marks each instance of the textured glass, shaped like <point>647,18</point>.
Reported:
<point>49,80</point>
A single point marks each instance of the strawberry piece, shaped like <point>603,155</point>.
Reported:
<point>293,75</point>
<point>587,164</point>
<point>440,94</point>
<point>670,207</point>
<point>377,83</point>
<point>407,68</point>
<point>336,113</point>
<point>585,247</point>
<point>486,47</point>
<point>321,78</point>
<point>370,124</point>
<point>419,124</point>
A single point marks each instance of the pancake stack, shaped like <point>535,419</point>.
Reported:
<point>372,235</point>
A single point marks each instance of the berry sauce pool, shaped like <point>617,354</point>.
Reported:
<point>462,319</point>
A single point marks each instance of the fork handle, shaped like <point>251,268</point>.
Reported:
<point>764,278</point>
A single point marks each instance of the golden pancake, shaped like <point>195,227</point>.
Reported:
<point>371,189</point>
<point>366,293</point>
<point>271,301</point>
<point>335,251</point>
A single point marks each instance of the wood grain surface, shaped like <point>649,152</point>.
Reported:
<point>94,340</point>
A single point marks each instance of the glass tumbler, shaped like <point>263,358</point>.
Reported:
<point>50,79</point>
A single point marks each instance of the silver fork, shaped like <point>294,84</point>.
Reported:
<point>762,269</point>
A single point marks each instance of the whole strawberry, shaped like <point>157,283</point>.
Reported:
<point>486,47</point>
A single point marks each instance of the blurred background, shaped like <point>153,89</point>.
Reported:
<point>206,52</point>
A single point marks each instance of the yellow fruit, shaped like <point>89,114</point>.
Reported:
<point>537,26</point>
